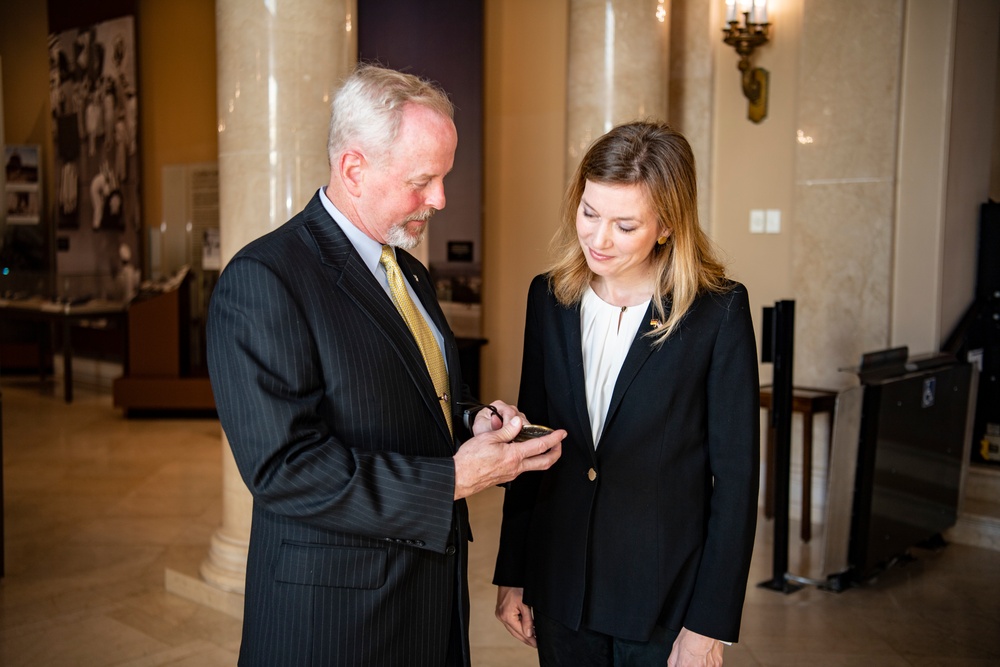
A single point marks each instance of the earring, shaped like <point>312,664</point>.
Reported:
<point>662,240</point>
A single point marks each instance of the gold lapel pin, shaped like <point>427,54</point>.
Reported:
<point>654,322</point>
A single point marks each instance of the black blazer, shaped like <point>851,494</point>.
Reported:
<point>357,549</point>
<point>657,524</point>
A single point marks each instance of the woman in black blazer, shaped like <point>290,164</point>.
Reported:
<point>634,548</point>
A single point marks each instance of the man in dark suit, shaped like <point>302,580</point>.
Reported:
<point>325,384</point>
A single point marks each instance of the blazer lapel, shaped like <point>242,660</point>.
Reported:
<point>637,355</point>
<point>354,279</point>
<point>569,320</point>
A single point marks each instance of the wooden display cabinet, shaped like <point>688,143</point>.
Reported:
<point>159,374</point>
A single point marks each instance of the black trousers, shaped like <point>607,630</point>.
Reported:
<point>559,646</point>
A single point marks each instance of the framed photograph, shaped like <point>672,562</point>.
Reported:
<point>22,195</point>
<point>95,142</point>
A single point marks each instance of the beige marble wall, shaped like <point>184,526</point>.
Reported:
<point>618,68</point>
<point>845,180</point>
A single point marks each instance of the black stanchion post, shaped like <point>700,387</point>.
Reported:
<point>778,348</point>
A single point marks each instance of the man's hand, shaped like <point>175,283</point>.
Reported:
<point>694,650</point>
<point>515,615</point>
<point>490,458</point>
<point>487,420</point>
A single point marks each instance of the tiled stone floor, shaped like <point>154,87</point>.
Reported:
<point>98,507</point>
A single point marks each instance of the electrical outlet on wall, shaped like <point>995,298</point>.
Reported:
<point>772,221</point>
<point>757,221</point>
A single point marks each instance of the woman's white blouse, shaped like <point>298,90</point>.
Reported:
<point>607,332</point>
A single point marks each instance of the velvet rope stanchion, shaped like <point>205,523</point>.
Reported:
<point>777,348</point>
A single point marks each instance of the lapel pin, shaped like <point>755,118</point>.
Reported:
<point>654,322</point>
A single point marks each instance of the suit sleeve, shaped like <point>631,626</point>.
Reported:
<point>519,499</point>
<point>268,387</point>
<point>733,448</point>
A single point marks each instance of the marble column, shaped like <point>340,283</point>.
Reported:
<point>845,184</point>
<point>618,68</point>
<point>278,65</point>
<point>694,36</point>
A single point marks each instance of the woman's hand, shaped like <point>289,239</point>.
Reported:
<point>694,650</point>
<point>515,615</point>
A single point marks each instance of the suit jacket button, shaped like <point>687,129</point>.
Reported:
<point>449,550</point>
<point>591,474</point>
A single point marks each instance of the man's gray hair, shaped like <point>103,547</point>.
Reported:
<point>368,108</point>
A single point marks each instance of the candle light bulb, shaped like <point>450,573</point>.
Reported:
<point>759,11</point>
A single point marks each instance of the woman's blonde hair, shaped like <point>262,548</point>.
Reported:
<point>659,160</point>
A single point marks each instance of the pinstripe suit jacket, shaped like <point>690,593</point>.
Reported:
<point>357,549</point>
<point>656,525</point>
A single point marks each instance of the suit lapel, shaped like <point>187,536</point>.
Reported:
<point>353,278</point>
<point>569,320</point>
<point>637,355</point>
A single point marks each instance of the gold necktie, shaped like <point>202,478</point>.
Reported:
<point>421,331</point>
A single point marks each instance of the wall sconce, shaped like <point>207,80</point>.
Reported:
<point>753,32</point>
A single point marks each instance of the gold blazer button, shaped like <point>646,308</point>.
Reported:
<point>591,474</point>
